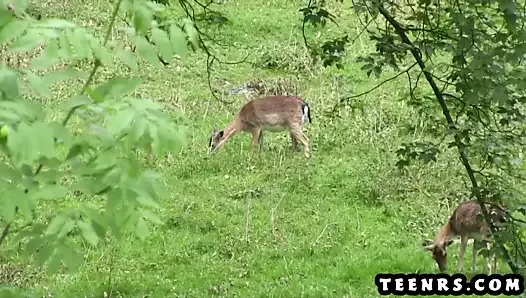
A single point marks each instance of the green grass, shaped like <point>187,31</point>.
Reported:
<point>271,224</point>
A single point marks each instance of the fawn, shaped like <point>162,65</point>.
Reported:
<point>272,113</point>
<point>466,223</point>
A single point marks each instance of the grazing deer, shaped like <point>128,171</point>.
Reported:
<point>272,113</point>
<point>466,223</point>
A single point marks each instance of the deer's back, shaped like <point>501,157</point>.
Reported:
<point>467,221</point>
<point>272,112</point>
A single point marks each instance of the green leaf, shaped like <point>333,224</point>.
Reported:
<point>60,75</point>
<point>8,172</point>
<point>20,5</point>
<point>43,139</point>
<point>65,51</point>
<point>68,226</point>
<point>5,17</point>
<point>33,244</point>
<point>8,203</point>
<point>191,32</point>
<point>116,87</point>
<point>106,159</point>
<point>13,29</point>
<point>50,192</point>
<point>99,222</point>
<point>29,143</point>
<point>77,49</point>
<point>77,101</point>
<point>71,258</point>
<point>151,217</point>
<point>54,263</point>
<point>118,123</point>
<point>38,84</point>
<point>48,176</point>
<point>46,32</point>
<point>43,254</point>
<point>27,42</point>
<point>88,232</point>
<point>178,40</point>
<point>80,43</point>
<point>127,58</point>
<point>138,130</point>
<point>35,230</point>
<point>147,51</point>
<point>146,200</point>
<point>163,43</point>
<point>9,84</point>
<point>49,57</point>
<point>9,292</point>
<point>156,142</point>
<point>100,51</point>
<point>56,224</point>
<point>74,151</point>
<point>142,229</point>
<point>142,19</point>
<point>55,23</point>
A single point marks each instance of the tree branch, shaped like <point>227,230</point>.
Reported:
<point>211,58</point>
<point>463,156</point>
<point>372,89</point>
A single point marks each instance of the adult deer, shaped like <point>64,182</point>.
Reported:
<point>466,222</point>
<point>272,113</point>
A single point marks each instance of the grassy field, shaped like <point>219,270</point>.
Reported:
<point>271,224</point>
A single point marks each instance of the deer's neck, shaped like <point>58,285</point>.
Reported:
<point>445,234</point>
<point>232,129</point>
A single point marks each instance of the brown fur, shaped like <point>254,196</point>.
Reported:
<point>272,113</point>
<point>465,223</point>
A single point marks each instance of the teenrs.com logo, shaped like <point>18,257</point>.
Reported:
<point>444,284</point>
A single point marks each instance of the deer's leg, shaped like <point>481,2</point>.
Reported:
<point>260,140</point>
<point>298,134</point>
<point>255,138</point>
<point>495,262</point>
<point>294,142</point>
<point>463,244</point>
<point>475,244</point>
<point>490,256</point>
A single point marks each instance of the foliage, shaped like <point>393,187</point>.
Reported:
<point>45,160</point>
<point>471,55</point>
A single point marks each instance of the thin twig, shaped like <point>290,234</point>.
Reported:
<point>211,58</point>
<point>248,219</point>
<point>372,89</point>
<point>321,235</point>
<point>272,213</point>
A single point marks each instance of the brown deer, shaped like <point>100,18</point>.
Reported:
<point>272,113</point>
<point>468,224</point>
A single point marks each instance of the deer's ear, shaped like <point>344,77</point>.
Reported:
<point>449,242</point>
<point>428,244</point>
<point>220,134</point>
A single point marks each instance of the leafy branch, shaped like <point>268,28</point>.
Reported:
<point>471,56</point>
<point>346,99</point>
<point>66,119</point>
<point>100,159</point>
<point>452,126</point>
